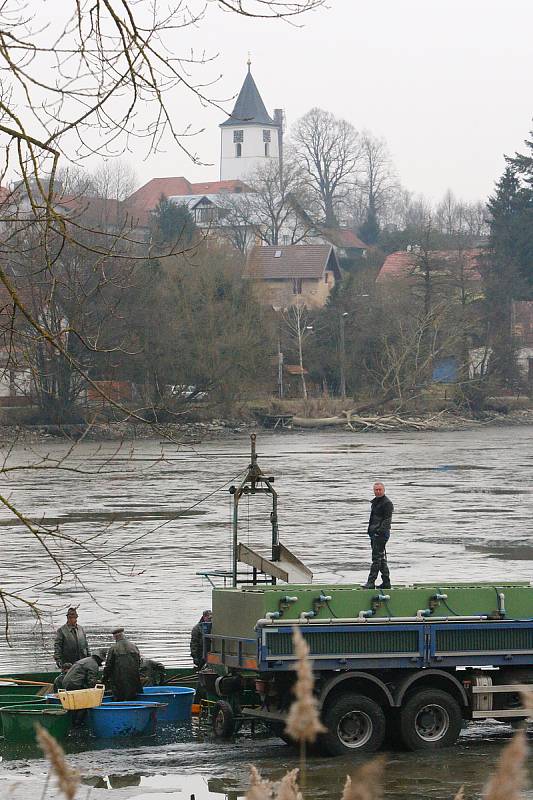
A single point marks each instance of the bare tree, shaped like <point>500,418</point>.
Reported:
<point>297,325</point>
<point>267,210</point>
<point>66,95</point>
<point>376,185</point>
<point>329,151</point>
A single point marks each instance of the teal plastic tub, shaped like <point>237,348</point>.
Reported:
<point>127,718</point>
<point>178,699</point>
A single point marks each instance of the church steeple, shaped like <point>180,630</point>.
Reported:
<point>249,108</point>
<point>250,138</point>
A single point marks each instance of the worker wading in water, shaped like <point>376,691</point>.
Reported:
<point>379,531</point>
<point>197,639</point>
<point>121,673</point>
<point>84,673</point>
<point>70,643</point>
<point>58,683</point>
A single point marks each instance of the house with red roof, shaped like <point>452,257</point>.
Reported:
<point>140,205</point>
<point>408,265</point>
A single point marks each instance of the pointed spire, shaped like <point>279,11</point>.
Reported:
<point>249,108</point>
<point>249,62</point>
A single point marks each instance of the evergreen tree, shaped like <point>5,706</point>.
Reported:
<point>503,273</point>
<point>369,230</point>
<point>172,224</point>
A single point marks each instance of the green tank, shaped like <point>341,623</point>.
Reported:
<point>236,611</point>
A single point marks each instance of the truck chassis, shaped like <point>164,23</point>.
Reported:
<point>412,683</point>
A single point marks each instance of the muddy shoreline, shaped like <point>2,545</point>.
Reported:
<point>227,429</point>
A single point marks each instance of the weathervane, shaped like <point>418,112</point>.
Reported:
<point>249,62</point>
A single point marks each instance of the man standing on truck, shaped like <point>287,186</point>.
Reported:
<point>379,532</point>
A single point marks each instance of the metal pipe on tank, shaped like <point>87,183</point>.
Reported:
<point>261,623</point>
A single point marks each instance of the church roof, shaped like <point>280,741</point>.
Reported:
<point>249,108</point>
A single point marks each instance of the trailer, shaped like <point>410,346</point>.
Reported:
<point>410,665</point>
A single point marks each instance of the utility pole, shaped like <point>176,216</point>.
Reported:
<point>342,355</point>
<point>280,370</point>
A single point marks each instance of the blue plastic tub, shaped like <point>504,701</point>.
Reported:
<point>178,698</point>
<point>128,718</point>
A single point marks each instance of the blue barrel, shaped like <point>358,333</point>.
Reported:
<point>178,698</point>
<point>128,718</point>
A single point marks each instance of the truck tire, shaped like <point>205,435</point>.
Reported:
<point>223,720</point>
<point>430,720</point>
<point>354,723</point>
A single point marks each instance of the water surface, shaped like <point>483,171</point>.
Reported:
<point>154,514</point>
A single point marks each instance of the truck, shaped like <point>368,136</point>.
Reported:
<point>411,665</point>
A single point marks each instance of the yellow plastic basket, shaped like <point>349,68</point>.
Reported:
<point>82,698</point>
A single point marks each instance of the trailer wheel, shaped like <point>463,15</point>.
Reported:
<point>354,723</point>
<point>223,720</point>
<point>430,720</point>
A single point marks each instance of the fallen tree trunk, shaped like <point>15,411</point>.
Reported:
<point>354,421</point>
<point>319,422</point>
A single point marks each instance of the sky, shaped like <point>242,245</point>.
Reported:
<point>447,84</point>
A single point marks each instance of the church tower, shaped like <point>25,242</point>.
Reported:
<point>249,138</point>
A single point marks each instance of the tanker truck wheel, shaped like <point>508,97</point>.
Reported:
<point>223,720</point>
<point>430,720</point>
<point>354,723</point>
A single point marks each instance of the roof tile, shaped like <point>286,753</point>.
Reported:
<point>293,261</point>
<point>402,263</point>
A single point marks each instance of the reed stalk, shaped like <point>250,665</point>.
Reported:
<point>303,721</point>
<point>68,779</point>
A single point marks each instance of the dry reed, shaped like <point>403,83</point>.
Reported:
<point>259,789</point>
<point>68,779</point>
<point>303,722</point>
<point>507,782</point>
<point>288,788</point>
<point>366,783</point>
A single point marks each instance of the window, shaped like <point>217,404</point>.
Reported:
<point>267,149</point>
<point>296,285</point>
<point>238,136</point>
<point>238,150</point>
<point>205,214</point>
<point>266,136</point>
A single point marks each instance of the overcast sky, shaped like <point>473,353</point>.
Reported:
<point>447,83</point>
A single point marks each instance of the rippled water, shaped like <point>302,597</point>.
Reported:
<point>463,510</point>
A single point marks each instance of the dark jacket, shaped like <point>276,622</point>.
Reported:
<point>70,644</point>
<point>82,675</point>
<point>380,516</point>
<point>121,672</point>
<point>152,672</point>
<point>197,643</point>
